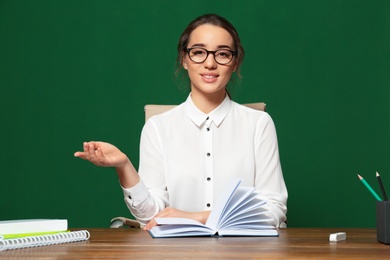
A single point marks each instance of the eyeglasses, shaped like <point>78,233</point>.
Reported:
<point>199,55</point>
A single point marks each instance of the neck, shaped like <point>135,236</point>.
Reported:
<point>207,102</point>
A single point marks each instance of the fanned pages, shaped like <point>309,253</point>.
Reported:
<point>238,212</point>
<point>44,240</point>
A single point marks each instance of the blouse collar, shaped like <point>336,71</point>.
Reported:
<point>216,116</point>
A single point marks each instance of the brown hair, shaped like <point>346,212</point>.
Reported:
<point>212,19</point>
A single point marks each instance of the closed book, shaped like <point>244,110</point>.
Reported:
<point>32,226</point>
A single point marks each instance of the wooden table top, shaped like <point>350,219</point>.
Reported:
<point>296,243</point>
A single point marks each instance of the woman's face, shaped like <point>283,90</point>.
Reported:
<point>209,77</point>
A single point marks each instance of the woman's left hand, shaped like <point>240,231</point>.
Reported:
<point>175,213</point>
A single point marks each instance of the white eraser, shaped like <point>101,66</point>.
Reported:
<point>336,237</point>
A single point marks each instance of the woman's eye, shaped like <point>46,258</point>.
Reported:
<point>198,52</point>
<point>224,54</point>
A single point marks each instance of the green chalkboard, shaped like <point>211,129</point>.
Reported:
<point>77,70</point>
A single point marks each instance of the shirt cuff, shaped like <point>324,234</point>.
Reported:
<point>136,194</point>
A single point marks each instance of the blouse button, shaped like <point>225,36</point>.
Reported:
<point>208,154</point>
<point>208,129</point>
<point>208,179</point>
<point>208,205</point>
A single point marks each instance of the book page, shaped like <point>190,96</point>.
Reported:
<point>255,222</point>
<point>253,206</point>
<point>220,206</point>
<point>239,199</point>
<point>178,221</point>
<point>179,227</point>
<point>249,232</point>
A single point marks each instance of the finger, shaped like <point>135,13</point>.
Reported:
<point>150,225</point>
<point>85,147</point>
<point>100,156</point>
<point>83,154</point>
<point>87,152</point>
<point>79,155</point>
<point>92,154</point>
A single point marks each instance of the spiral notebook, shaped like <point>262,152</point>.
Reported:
<point>43,240</point>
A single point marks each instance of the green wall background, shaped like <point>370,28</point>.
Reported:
<point>77,70</point>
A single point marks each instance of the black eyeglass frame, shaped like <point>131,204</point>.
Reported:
<point>234,53</point>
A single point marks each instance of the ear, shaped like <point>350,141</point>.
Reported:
<point>183,61</point>
<point>235,67</point>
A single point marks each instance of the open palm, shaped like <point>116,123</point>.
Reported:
<point>102,154</point>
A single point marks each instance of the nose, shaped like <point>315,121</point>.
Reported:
<point>210,62</point>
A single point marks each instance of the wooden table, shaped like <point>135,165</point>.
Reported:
<point>296,243</point>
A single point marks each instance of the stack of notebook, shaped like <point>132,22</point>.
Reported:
<point>15,234</point>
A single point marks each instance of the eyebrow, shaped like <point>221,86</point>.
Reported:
<point>218,47</point>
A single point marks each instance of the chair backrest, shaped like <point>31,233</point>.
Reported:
<point>151,110</point>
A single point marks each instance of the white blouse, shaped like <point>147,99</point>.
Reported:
<point>187,158</point>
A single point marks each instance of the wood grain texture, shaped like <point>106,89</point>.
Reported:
<point>293,243</point>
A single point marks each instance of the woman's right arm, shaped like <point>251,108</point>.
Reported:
<point>107,155</point>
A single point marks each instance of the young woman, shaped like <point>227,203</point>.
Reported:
<point>189,154</point>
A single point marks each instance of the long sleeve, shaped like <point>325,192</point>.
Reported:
<point>269,178</point>
<point>142,200</point>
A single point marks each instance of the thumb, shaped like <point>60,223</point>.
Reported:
<point>79,155</point>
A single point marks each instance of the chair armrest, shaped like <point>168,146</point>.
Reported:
<point>120,222</point>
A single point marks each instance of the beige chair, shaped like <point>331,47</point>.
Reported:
<point>151,110</point>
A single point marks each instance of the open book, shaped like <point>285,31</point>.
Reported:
<point>238,212</point>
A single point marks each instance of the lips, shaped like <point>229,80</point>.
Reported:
<point>209,78</point>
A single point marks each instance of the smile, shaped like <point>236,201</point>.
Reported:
<point>209,78</point>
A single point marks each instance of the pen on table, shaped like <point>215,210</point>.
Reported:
<point>369,188</point>
<point>381,186</point>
